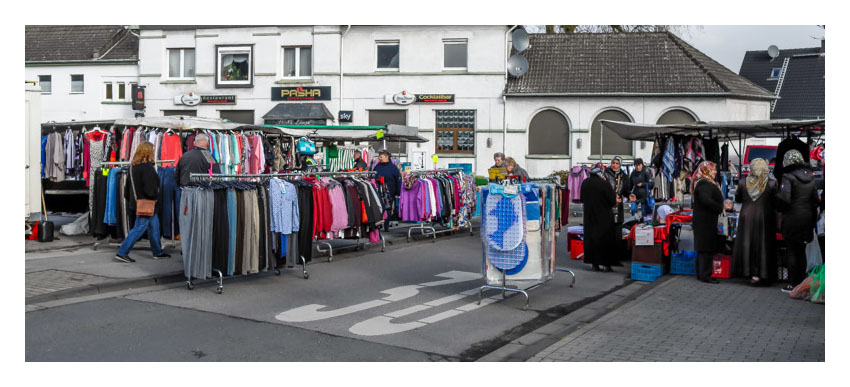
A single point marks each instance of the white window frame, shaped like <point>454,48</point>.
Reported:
<point>128,86</point>
<point>112,85</point>
<point>297,62</point>
<point>51,84</point>
<point>223,50</point>
<point>379,43</point>
<point>72,84</point>
<point>182,66</point>
<point>778,72</point>
<point>455,41</point>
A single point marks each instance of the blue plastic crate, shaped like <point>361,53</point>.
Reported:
<point>684,263</point>
<point>645,272</point>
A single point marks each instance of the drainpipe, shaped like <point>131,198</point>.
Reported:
<point>505,99</point>
<point>341,61</point>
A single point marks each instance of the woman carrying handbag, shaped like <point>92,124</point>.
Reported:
<point>142,195</point>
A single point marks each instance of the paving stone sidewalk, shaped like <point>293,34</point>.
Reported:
<point>683,319</point>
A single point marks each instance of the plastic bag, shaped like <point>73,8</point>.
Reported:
<point>77,227</point>
<point>818,287</point>
<point>820,226</point>
<point>801,291</point>
<point>813,257</point>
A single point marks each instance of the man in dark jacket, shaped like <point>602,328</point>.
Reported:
<point>799,202</point>
<point>197,160</point>
<point>359,164</point>
<point>641,182</point>
<point>392,178</point>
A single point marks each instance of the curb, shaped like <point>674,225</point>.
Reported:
<point>107,287</point>
<point>529,345</point>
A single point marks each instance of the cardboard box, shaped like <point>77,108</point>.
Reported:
<point>653,255</point>
<point>644,235</point>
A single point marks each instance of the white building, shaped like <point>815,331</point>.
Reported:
<point>85,72</point>
<point>575,80</point>
<point>457,72</point>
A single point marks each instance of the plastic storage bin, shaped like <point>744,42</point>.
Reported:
<point>684,263</point>
<point>647,273</point>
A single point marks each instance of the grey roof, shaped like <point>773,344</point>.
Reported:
<point>803,89</point>
<point>299,111</point>
<point>69,43</point>
<point>625,64</point>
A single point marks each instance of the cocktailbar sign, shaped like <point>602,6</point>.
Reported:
<point>318,93</point>
<point>435,98</point>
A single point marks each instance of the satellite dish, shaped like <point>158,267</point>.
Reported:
<point>517,65</point>
<point>520,39</point>
<point>773,51</point>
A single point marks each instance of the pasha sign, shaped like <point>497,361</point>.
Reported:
<point>317,93</point>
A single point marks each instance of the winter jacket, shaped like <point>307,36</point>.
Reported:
<point>708,204</point>
<point>146,182</point>
<point>644,178</point>
<point>391,175</point>
<point>194,161</point>
<point>798,199</point>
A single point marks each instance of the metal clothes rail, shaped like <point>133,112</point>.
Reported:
<point>555,180</point>
<point>423,227</point>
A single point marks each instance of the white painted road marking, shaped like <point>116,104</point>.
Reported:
<point>312,313</point>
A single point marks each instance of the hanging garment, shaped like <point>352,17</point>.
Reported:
<point>171,149</point>
<point>283,200</point>
<point>577,175</point>
<point>231,230</point>
<point>96,148</point>
<point>109,216</point>
<point>169,197</point>
<point>221,231</point>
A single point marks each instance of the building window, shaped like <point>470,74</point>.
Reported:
<point>191,113</point>
<point>77,84</point>
<point>676,117</point>
<point>181,63</point>
<point>238,116</point>
<point>388,55</point>
<point>235,66</point>
<point>297,61</point>
<point>605,143</point>
<point>46,83</point>
<point>388,117</point>
<point>549,134</point>
<point>454,54</point>
<point>115,92</point>
<point>122,91</point>
<point>108,96</point>
<point>455,131</point>
<point>774,73</point>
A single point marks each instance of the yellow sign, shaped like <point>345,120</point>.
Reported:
<point>435,158</point>
<point>380,134</point>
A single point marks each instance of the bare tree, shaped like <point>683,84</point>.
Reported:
<point>570,29</point>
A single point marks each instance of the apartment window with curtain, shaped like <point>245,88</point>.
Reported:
<point>297,62</point>
<point>388,53</point>
<point>455,131</point>
<point>454,54</point>
<point>181,63</point>
<point>45,81</point>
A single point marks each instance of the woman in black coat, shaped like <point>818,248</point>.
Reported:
<point>708,204</point>
<point>599,229</point>
<point>754,254</point>
<point>798,199</point>
<point>144,184</point>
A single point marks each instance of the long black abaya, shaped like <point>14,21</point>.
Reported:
<point>599,227</point>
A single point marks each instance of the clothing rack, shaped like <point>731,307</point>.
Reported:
<point>99,242</point>
<point>555,180</point>
<point>423,227</point>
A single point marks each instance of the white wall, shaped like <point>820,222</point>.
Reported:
<point>581,111</point>
<point>61,105</point>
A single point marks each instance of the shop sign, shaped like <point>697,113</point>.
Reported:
<point>317,93</point>
<point>190,99</point>
<point>404,98</point>
<point>218,100</point>
<point>435,98</point>
<point>346,115</point>
<point>138,94</point>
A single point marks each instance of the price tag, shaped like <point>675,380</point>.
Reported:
<point>380,134</point>
<point>105,172</point>
<point>435,158</point>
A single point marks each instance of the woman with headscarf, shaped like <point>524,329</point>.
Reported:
<point>599,232</point>
<point>798,202</point>
<point>754,254</point>
<point>622,187</point>
<point>708,204</point>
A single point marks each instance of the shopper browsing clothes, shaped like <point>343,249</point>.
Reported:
<point>754,253</point>
<point>514,169</point>
<point>359,164</point>
<point>597,198</point>
<point>641,182</point>
<point>708,204</point>
<point>392,178</point>
<point>144,185</point>
<point>620,184</point>
<point>798,202</point>
<point>499,159</point>
<point>197,160</point>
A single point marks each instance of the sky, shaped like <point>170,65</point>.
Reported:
<point>728,44</point>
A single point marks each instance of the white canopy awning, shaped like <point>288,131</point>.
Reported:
<point>179,123</point>
<point>398,133</point>
<point>732,129</point>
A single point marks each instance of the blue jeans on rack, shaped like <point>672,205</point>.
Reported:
<point>170,199</point>
<point>149,224</point>
<point>110,217</point>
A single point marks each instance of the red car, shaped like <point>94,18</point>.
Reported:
<point>767,152</point>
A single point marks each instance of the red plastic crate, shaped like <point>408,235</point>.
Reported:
<point>722,266</point>
<point>576,246</point>
<point>34,235</point>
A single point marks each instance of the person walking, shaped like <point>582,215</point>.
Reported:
<point>798,202</point>
<point>708,204</point>
<point>597,198</point>
<point>754,253</point>
<point>392,178</point>
<point>144,185</point>
<point>197,160</point>
<point>641,182</point>
<point>514,169</point>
